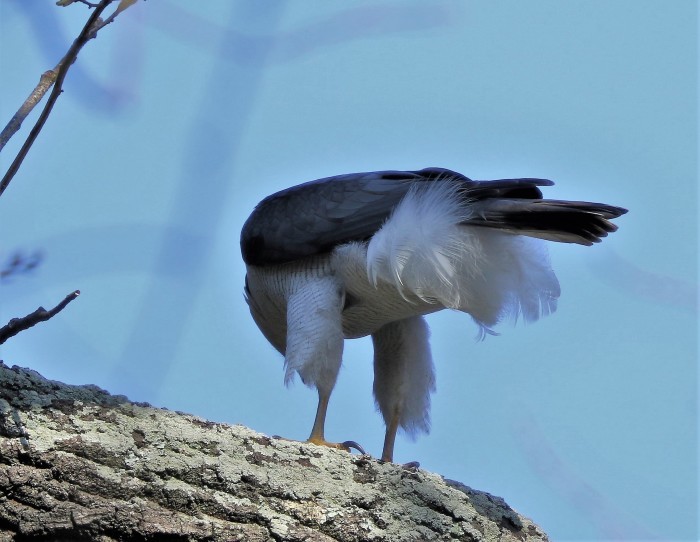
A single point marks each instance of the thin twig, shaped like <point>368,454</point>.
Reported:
<point>87,33</point>
<point>65,3</point>
<point>17,325</point>
<point>123,4</point>
<point>47,79</point>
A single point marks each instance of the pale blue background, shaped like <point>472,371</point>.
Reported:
<point>182,115</point>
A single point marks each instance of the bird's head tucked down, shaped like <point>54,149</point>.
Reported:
<point>373,253</point>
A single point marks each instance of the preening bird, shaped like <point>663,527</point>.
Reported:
<point>373,253</point>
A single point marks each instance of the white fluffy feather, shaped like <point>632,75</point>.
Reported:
<point>403,373</point>
<point>425,251</point>
<point>314,346</point>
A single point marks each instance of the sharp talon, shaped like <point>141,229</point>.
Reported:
<point>345,446</point>
<point>352,444</point>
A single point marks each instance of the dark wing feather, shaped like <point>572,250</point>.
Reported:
<point>579,222</point>
<point>314,217</point>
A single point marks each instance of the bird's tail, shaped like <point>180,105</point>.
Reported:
<point>434,246</point>
<point>563,221</point>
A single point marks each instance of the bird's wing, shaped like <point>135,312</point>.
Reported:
<point>313,217</point>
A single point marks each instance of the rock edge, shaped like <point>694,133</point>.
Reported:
<point>77,463</point>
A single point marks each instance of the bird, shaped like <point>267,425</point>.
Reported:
<point>371,254</point>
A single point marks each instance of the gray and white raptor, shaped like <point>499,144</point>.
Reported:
<point>373,253</point>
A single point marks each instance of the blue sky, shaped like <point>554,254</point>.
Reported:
<point>180,117</point>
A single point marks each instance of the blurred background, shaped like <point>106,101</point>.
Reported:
<point>182,115</point>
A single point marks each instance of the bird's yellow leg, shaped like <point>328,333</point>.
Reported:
<point>317,431</point>
<point>390,437</point>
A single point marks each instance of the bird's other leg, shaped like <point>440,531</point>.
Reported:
<point>314,347</point>
<point>403,378</point>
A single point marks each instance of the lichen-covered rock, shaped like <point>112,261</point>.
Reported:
<point>79,463</point>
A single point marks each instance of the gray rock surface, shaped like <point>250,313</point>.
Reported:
<point>77,463</point>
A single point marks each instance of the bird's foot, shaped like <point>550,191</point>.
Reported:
<point>348,445</point>
<point>411,465</point>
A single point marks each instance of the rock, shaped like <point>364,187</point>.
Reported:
<point>79,463</point>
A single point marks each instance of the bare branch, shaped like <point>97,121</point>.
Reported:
<point>64,3</point>
<point>63,66</point>
<point>57,76</point>
<point>47,79</point>
<point>123,4</point>
<point>16,325</point>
